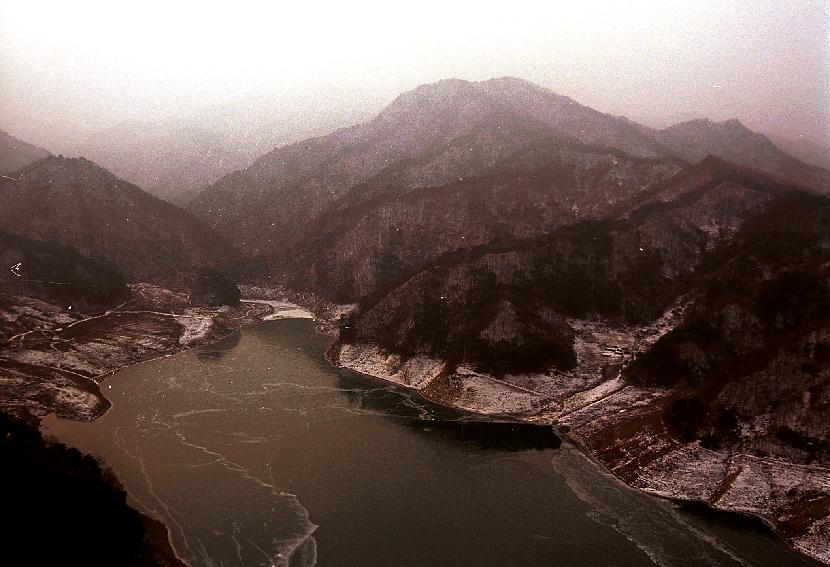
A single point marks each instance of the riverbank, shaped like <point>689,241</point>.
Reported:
<point>61,506</point>
<point>156,550</point>
<point>620,425</point>
<point>617,424</point>
<point>57,359</point>
<point>244,446</point>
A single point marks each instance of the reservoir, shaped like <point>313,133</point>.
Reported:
<point>255,451</point>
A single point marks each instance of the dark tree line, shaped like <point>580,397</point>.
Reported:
<point>59,507</point>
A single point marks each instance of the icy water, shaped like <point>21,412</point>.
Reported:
<point>255,451</point>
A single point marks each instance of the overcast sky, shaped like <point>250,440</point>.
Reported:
<point>72,66</point>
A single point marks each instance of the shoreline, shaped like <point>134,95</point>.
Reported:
<point>324,325</point>
<point>157,525</point>
<point>296,312</point>
<point>565,431</point>
<point>150,520</point>
<point>703,504</point>
<point>59,365</point>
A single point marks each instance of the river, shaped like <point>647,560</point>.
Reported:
<point>255,451</point>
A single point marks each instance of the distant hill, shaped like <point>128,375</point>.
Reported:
<point>15,153</point>
<point>806,150</point>
<point>172,162</point>
<point>174,159</point>
<point>731,140</point>
<point>76,204</point>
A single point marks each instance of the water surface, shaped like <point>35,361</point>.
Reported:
<point>255,451</point>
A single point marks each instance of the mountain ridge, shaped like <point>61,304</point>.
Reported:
<point>503,249</point>
<point>75,203</point>
<point>265,206</point>
<point>308,176</point>
<point>15,153</point>
<point>695,139</point>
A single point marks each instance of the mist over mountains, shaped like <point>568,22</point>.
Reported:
<point>492,229</point>
<point>444,132</point>
<point>173,157</point>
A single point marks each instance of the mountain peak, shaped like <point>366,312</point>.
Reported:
<point>732,141</point>
<point>461,103</point>
<point>703,124</point>
<point>735,124</point>
<point>438,93</point>
<point>491,92</point>
<point>514,83</point>
<point>711,160</point>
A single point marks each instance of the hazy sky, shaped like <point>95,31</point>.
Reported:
<point>76,65</point>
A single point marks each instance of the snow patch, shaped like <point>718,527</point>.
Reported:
<point>194,327</point>
<point>282,310</point>
<point>484,394</point>
<point>416,372</point>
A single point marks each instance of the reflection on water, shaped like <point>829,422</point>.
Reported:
<point>254,451</point>
<point>410,410</point>
<point>213,354</point>
<point>500,436</point>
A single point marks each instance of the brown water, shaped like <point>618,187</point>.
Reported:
<point>254,451</point>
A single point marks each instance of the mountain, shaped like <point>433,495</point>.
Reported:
<point>172,161</point>
<point>445,132</point>
<point>350,252</point>
<point>660,294</point>
<point>76,204</point>
<point>15,153</point>
<point>429,136</point>
<point>805,149</point>
<point>627,267</point>
<point>57,275</point>
<point>752,358</point>
<point>731,140</point>
<point>175,158</point>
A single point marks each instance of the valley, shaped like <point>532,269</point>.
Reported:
<point>307,464</point>
<point>659,298</point>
